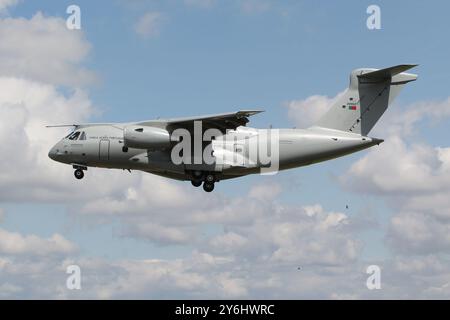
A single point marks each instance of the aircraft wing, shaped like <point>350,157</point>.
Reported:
<point>222,121</point>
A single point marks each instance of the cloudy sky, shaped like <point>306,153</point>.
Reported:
<point>305,233</point>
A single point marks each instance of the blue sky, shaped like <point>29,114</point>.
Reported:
<point>217,58</point>
<point>206,57</point>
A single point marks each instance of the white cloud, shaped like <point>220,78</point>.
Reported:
<point>4,4</point>
<point>265,192</point>
<point>305,113</point>
<point>281,233</point>
<point>136,197</point>
<point>418,232</point>
<point>205,275</point>
<point>229,242</point>
<point>287,252</point>
<point>149,24</point>
<point>30,99</point>
<point>403,121</point>
<point>9,290</point>
<point>160,233</point>
<point>396,168</point>
<point>414,177</point>
<point>255,223</point>
<point>15,243</point>
<point>47,51</point>
<point>25,108</point>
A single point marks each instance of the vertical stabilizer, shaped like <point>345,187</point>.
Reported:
<point>367,98</point>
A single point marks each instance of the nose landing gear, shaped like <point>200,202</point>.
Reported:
<point>79,171</point>
<point>79,174</point>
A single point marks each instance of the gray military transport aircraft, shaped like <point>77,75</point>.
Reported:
<point>149,145</point>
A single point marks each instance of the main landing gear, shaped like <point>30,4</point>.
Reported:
<point>207,179</point>
<point>208,187</point>
<point>196,183</point>
<point>79,171</point>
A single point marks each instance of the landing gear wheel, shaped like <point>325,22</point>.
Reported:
<point>79,174</point>
<point>197,174</point>
<point>208,187</point>
<point>210,178</point>
<point>196,183</point>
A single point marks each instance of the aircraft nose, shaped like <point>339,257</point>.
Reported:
<point>52,153</point>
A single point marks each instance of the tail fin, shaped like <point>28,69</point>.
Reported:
<point>367,98</point>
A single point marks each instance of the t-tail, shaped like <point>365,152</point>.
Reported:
<point>369,94</point>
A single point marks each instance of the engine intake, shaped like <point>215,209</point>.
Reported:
<point>145,137</point>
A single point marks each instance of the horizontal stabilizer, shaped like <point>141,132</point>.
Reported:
<point>387,73</point>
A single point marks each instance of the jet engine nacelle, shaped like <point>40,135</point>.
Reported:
<point>145,137</point>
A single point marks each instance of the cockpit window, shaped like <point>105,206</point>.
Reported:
<point>74,136</point>
<point>83,136</point>
<point>67,137</point>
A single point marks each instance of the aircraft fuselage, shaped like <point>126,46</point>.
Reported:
<point>103,147</point>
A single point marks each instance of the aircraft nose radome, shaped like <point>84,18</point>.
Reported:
<point>52,153</point>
